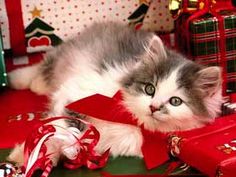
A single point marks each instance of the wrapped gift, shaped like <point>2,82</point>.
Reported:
<point>178,7</point>
<point>3,74</point>
<point>36,25</point>
<point>168,39</point>
<point>208,36</point>
<point>229,106</point>
<point>211,149</point>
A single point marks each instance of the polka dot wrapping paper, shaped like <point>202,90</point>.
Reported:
<point>30,26</point>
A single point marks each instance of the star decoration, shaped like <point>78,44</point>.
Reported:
<point>143,1</point>
<point>36,12</point>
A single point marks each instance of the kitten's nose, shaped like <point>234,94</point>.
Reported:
<point>153,108</point>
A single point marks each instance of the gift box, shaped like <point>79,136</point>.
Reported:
<point>211,149</point>
<point>3,74</point>
<point>209,38</point>
<point>29,26</point>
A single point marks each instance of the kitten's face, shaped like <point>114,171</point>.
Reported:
<point>172,94</point>
<point>160,105</point>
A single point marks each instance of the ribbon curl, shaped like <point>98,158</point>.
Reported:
<point>81,144</point>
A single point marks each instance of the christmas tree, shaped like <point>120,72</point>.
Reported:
<point>39,33</point>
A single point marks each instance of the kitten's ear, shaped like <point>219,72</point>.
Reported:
<point>208,80</point>
<point>156,47</point>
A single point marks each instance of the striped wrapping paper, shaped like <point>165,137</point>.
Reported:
<point>228,108</point>
<point>204,46</point>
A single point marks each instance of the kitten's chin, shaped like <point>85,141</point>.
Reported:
<point>168,124</point>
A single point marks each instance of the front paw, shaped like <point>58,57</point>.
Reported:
<point>17,155</point>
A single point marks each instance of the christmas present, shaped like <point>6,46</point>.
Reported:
<point>211,149</point>
<point>17,116</point>
<point>229,106</point>
<point>209,38</point>
<point>178,7</point>
<point>3,74</point>
<point>168,39</point>
<point>22,61</point>
<point>30,26</point>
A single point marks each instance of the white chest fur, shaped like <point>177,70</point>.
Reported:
<point>122,139</point>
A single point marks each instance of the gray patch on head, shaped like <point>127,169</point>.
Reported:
<point>186,78</point>
<point>166,66</point>
<point>152,71</point>
<point>113,43</point>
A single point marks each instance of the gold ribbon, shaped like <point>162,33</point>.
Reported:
<point>177,7</point>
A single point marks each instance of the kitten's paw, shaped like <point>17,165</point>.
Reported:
<point>18,80</point>
<point>21,78</point>
<point>17,155</point>
<point>39,86</point>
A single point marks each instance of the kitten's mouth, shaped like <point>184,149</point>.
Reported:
<point>156,117</point>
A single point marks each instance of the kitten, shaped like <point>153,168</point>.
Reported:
<point>163,90</point>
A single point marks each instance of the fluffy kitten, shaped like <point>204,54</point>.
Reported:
<point>161,88</point>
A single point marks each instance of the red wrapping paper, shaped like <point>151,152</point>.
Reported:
<point>206,148</point>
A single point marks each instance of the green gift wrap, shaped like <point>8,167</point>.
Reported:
<point>201,41</point>
<point>3,74</point>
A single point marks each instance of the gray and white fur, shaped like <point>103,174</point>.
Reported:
<point>162,89</point>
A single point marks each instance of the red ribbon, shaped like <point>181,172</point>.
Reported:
<point>87,156</point>
<point>155,144</point>
<point>217,5</point>
<point>16,26</point>
<point>29,146</point>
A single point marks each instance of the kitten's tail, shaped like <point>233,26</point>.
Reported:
<point>28,78</point>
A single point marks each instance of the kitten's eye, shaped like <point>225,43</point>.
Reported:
<point>149,89</point>
<point>175,101</point>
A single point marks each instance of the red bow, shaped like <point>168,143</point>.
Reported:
<point>155,144</point>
